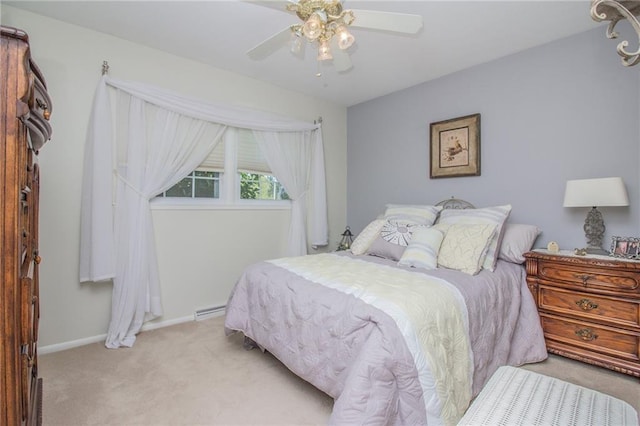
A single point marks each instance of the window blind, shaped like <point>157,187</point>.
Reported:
<point>215,160</point>
<point>250,158</point>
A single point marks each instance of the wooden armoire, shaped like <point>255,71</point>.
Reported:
<point>24,125</point>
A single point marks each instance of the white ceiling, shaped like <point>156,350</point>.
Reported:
<point>455,36</point>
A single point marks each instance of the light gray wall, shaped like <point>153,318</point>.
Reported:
<point>565,110</point>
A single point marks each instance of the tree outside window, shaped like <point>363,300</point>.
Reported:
<point>198,184</point>
<point>255,186</point>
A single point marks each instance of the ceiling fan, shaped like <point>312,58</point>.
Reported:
<point>325,23</point>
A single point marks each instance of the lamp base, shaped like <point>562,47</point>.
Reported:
<point>594,231</point>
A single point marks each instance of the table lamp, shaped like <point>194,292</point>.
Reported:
<point>602,192</point>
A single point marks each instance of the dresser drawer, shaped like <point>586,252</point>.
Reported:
<point>586,277</point>
<point>618,312</point>
<point>584,335</point>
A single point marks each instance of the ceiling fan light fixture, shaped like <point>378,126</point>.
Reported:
<point>324,51</point>
<point>297,45</point>
<point>326,23</point>
<point>345,38</point>
<point>314,26</point>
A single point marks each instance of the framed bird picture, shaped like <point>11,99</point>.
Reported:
<point>455,147</point>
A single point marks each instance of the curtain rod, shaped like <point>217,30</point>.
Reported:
<point>105,70</point>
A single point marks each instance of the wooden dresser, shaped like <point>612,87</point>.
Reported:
<point>24,125</point>
<point>589,307</point>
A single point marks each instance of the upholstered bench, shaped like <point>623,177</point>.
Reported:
<point>514,396</point>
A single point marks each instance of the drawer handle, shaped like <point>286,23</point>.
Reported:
<point>586,334</point>
<point>584,278</point>
<point>586,304</point>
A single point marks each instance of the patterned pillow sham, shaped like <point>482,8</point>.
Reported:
<point>422,215</point>
<point>497,216</point>
<point>464,247</point>
<point>368,235</point>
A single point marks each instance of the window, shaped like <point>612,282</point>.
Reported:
<point>235,171</point>
<point>255,186</point>
<point>256,180</point>
<point>198,184</point>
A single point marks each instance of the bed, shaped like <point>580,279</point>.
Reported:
<point>408,325</point>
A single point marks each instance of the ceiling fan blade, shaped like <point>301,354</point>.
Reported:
<point>273,4</point>
<point>270,45</point>
<point>341,59</point>
<point>389,21</point>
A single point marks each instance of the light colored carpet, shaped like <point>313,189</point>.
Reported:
<point>192,374</point>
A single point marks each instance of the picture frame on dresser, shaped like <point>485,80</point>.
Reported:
<point>625,247</point>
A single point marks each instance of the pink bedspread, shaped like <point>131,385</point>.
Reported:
<point>355,352</point>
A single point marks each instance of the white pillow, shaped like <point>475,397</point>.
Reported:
<point>422,215</point>
<point>488,215</point>
<point>368,235</point>
<point>517,240</point>
<point>465,246</point>
<point>422,251</point>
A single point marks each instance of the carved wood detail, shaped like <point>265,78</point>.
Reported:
<point>589,308</point>
<point>25,108</point>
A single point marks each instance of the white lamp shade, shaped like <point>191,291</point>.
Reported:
<point>600,192</point>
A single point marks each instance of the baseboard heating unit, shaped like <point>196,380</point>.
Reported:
<point>206,313</point>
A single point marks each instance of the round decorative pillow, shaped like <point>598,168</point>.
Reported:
<point>398,233</point>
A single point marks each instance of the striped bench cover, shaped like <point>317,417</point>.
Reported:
<point>514,396</point>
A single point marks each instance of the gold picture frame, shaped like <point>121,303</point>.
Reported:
<point>455,147</point>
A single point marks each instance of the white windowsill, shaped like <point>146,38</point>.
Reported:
<point>204,204</point>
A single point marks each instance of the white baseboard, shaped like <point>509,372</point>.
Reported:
<point>42,350</point>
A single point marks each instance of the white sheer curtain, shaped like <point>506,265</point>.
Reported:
<point>160,148</point>
<point>162,137</point>
<point>289,157</point>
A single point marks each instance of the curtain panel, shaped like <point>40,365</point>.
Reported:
<point>155,139</point>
